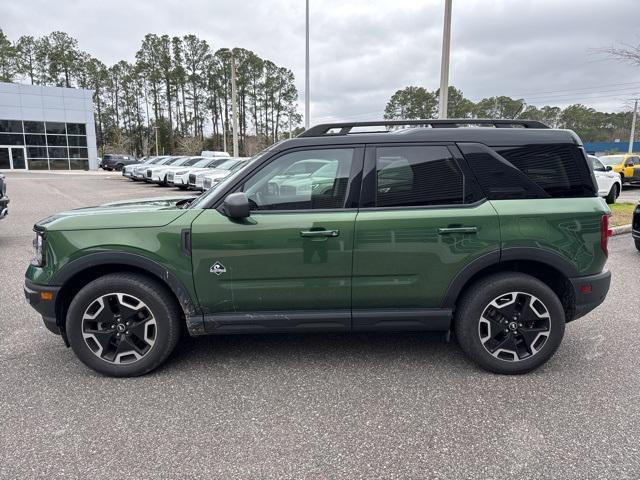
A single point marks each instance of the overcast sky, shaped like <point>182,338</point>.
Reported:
<point>364,50</point>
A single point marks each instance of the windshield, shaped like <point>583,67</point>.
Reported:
<point>203,162</point>
<point>612,159</point>
<point>191,161</point>
<point>228,164</point>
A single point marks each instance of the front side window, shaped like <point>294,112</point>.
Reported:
<point>302,180</point>
<point>417,176</point>
<point>597,165</point>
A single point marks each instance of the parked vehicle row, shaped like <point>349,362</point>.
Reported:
<point>184,172</point>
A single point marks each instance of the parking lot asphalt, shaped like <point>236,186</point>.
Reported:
<point>309,406</point>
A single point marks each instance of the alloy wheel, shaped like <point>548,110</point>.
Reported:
<point>119,328</point>
<point>514,326</point>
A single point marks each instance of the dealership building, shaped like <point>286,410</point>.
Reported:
<point>46,128</point>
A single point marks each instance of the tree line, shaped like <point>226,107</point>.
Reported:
<point>178,88</point>
<point>590,124</point>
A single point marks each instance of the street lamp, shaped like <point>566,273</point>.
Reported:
<point>444,65</point>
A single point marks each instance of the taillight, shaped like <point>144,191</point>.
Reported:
<point>605,233</point>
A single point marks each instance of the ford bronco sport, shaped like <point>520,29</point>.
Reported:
<point>494,232</point>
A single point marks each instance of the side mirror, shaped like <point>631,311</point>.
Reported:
<point>236,205</point>
<point>608,168</point>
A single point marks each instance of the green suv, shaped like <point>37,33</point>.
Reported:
<point>493,231</point>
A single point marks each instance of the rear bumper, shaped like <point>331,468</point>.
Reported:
<point>46,308</point>
<point>590,291</point>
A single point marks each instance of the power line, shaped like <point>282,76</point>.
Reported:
<point>576,89</point>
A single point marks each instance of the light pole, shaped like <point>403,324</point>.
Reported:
<point>444,65</point>
<point>234,105</point>
<point>306,74</point>
<point>633,126</point>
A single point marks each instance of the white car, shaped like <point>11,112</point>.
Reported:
<point>128,170</point>
<point>156,174</point>
<point>179,176</point>
<point>609,182</point>
<point>138,172</point>
<point>196,180</point>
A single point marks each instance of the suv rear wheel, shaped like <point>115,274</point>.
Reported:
<point>509,323</point>
<point>613,194</point>
<point>123,324</point>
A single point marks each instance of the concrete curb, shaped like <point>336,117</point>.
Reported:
<point>621,229</point>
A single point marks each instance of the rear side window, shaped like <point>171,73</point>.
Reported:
<point>559,170</point>
<point>417,176</point>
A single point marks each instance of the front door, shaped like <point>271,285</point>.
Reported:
<point>421,222</point>
<point>288,266</point>
<point>18,158</point>
<point>12,158</point>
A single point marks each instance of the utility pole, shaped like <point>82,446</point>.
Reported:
<point>156,129</point>
<point>234,105</point>
<point>290,124</point>
<point>633,126</point>
<point>306,75</point>
<point>444,65</point>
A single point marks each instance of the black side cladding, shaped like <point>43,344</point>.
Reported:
<point>530,171</point>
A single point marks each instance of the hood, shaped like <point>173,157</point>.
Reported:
<point>146,212</point>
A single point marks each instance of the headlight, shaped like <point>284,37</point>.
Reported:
<point>38,250</point>
<point>181,172</point>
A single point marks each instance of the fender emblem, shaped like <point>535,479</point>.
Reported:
<point>218,268</point>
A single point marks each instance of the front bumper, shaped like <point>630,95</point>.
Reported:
<point>33,292</point>
<point>589,292</point>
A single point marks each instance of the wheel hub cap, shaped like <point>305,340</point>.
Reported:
<point>514,326</point>
<point>119,328</point>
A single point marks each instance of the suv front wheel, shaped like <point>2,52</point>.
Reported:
<point>509,323</point>
<point>123,324</point>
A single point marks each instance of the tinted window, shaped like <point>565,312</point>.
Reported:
<point>55,127</point>
<point>35,139</point>
<point>58,152</point>
<point>36,152</point>
<point>77,141</point>
<point>57,140</point>
<point>559,170</point>
<point>416,176</point>
<point>275,188</point>
<point>76,129</point>
<point>78,153</point>
<point>11,139</point>
<point>11,126</point>
<point>33,127</point>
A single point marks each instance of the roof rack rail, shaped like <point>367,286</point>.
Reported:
<point>345,128</point>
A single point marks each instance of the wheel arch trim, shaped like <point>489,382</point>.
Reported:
<point>497,257</point>
<point>162,273</point>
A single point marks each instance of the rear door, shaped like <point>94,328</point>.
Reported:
<point>422,220</point>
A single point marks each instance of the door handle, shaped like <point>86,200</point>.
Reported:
<point>447,230</point>
<point>319,233</point>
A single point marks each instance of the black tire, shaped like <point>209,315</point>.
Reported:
<point>182,187</point>
<point>475,304</point>
<point>637,242</point>
<point>613,194</point>
<point>157,300</point>
<point>119,167</point>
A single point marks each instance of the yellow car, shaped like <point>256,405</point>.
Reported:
<point>627,165</point>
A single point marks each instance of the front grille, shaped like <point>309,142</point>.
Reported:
<point>206,183</point>
<point>148,173</point>
<point>192,179</point>
<point>636,219</point>
<point>170,177</point>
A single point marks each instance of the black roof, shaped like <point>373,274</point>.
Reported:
<point>494,133</point>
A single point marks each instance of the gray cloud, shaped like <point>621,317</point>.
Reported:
<point>362,51</point>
